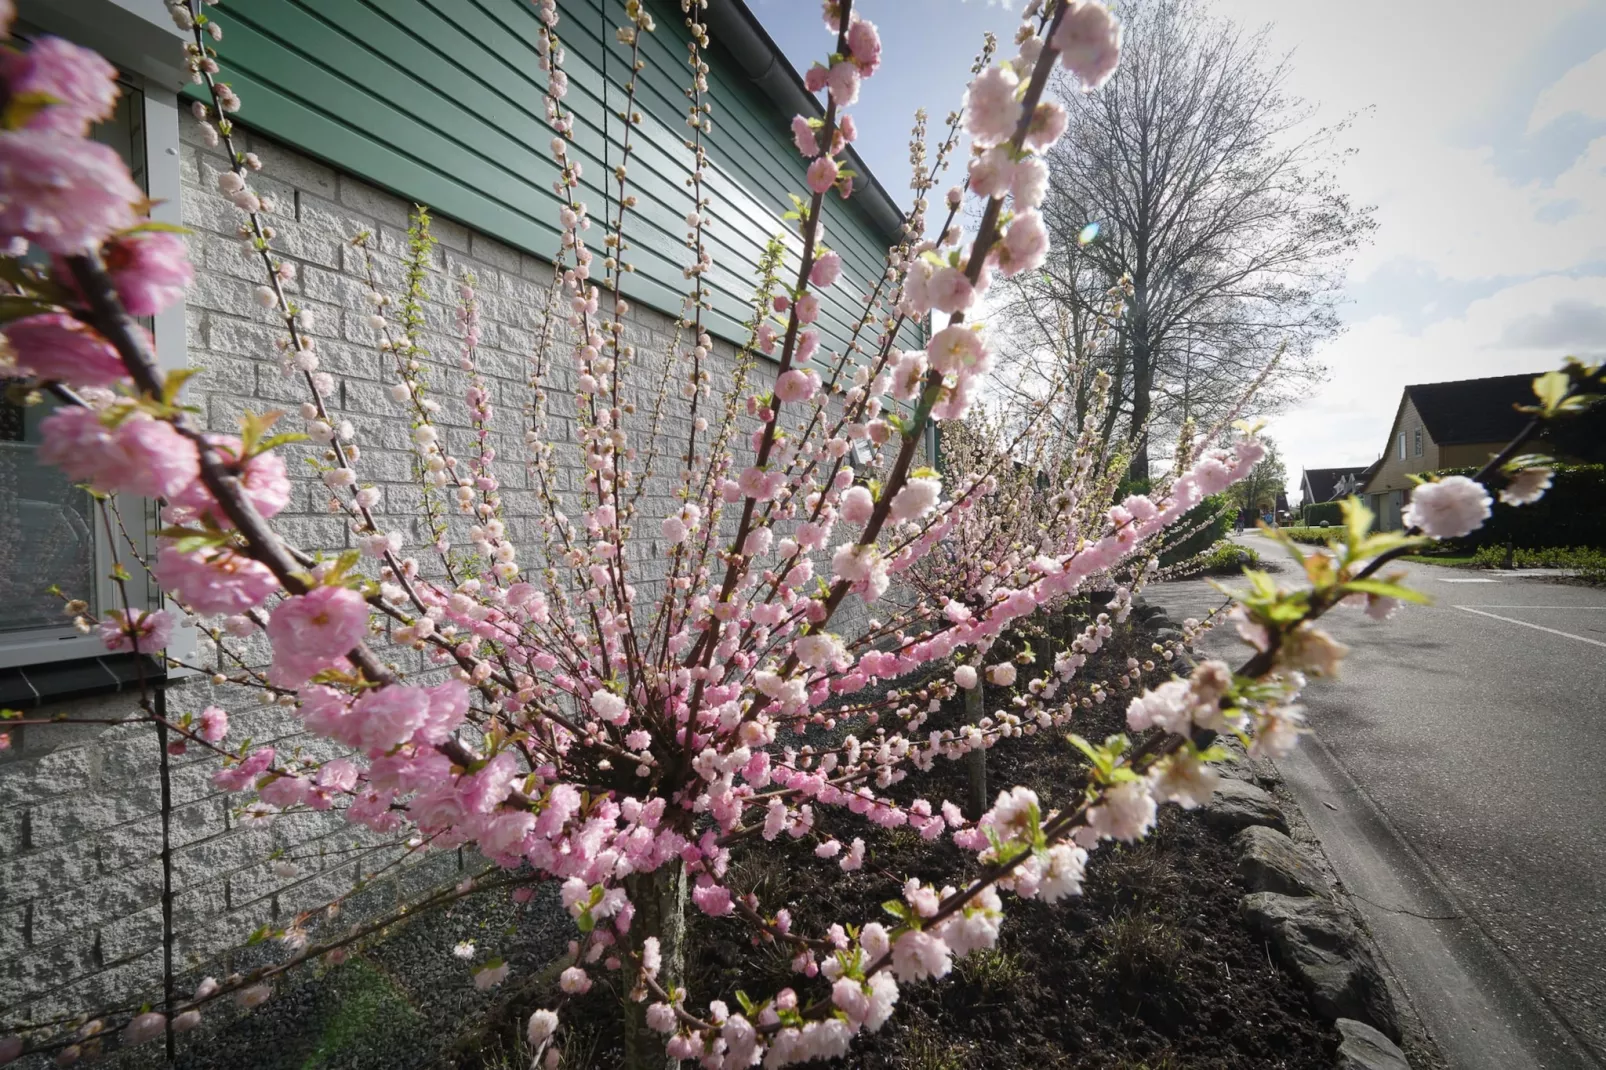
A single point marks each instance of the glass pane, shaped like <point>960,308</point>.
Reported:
<point>47,525</point>
<point>46,529</point>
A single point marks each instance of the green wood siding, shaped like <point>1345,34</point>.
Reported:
<point>440,101</point>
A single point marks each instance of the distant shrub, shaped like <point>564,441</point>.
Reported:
<point>1225,558</point>
<point>1586,559</point>
<point>1317,514</point>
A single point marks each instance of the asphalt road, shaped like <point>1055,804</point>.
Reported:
<point>1456,774</point>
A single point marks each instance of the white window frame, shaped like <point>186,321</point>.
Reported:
<point>1401,450</point>
<point>103,24</point>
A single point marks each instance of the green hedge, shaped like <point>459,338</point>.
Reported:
<point>1214,516</point>
<point>1315,536</point>
<point>1572,513</point>
<point>1316,512</point>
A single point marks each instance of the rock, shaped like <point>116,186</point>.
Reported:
<point>1364,1048</point>
<point>1166,634</point>
<point>1268,861</point>
<point>1317,942</point>
<point>1238,805</point>
<point>1144,611</point>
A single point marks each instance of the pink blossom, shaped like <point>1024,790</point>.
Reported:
<point>214,581</point>
<point>1089,42</point>
<point>56,346</point>
<point>949,290</point>
<point>151,628</point>
<point>795,385</point>
<point>1527,486</point>
<point>991,110</point>
<point>814,79</point>
<point>916,498</point>
<point>1125,811</point>
<point>1024,246</point>
<point>144,1027</point>
<point>822,174</point>
<point>487,977</point>
<point>826,270</point>
<point>484,790</point>
<point>712,899</point>
<point>1047,126</point>
<point>865,45</point>
<point>918,954</point>
<point>843,81</point>
<point>242,775</point>
<point>803,137</point>
<point>992,172</point>
<point>1448,509</point>
<point>381,719</point>
<point>957,349</point>
<point>807,343</point>
<point>313,632</point>
<point>965,676</point>
<point>64,194</point>
<point>448,708</point>
<point>263,479</point>
<point>808,308</point>
<point>857,505</point>
<point>140,456</point>
<point>1029,183</point>
<point>150,270</point>
<point>1002,674</point>
<point>83,85</point>
<point>214,724</point>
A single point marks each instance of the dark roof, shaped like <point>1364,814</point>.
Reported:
<point>1320,483</point>
<point>1473,410</point>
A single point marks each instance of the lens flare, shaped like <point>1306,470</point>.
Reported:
<point>1088,234</point>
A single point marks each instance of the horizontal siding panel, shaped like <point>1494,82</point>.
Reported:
<point>440,101</point>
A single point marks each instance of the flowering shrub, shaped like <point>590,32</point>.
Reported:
<point>568,727</point>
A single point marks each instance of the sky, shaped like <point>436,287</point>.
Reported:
<point>1479,136</point>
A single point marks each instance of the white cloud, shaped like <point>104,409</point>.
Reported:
<point>1517,329</point>
<point>1581,91</point>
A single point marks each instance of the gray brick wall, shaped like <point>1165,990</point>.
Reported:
<point>80,879</point>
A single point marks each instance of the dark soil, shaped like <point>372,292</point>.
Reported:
<point>1150,968</point>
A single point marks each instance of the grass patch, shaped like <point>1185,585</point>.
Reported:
<point>367,1007</point>
<point>1139,951</point>
<point>992,969</point>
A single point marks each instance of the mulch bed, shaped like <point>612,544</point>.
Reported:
<point>1151,968</point>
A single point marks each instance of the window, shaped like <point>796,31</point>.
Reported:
<point>1416,449</point>
<point>50,531</point>
<point>1402,445</point>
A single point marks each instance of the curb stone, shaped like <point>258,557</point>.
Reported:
<point>1364,1048</point>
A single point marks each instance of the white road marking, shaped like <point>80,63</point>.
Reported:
<point>1441,579</point>
<point>1535,627</point>
<point>1542,607</point>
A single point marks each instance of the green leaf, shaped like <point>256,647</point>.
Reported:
<point>281,439</point>
<point>1384,589</point>
<point>156,225</point>
<point>15,307</point>
<point>174,382</point>
<point>21,107</point>
<point>1552,389</point>
<point>253,426</point>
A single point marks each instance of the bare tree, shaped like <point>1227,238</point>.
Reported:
<point>1213,195</point>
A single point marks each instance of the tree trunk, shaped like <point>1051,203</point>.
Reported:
<point>976,760</point>
<point>660,901</point>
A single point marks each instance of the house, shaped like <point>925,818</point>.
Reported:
<point>1328,484</point>
<point>1445,425</point>
<point>355,114</point>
